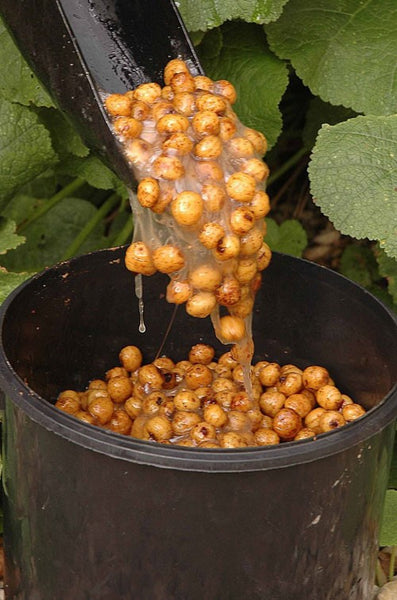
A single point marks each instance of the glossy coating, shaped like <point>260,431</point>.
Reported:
<point>102,516</point>
<point>81,49</point>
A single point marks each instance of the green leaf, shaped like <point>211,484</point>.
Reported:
<point>344,51</point>
<point>206,14</point>
<point>388,532</point>
<point>65,139</point>
<point>21,207</point>
<point>94,172</point>
<point>9,281</point>
<point>388,269</point>
<point>320,113</point>
<point>353,175</point>
<point>17,82</point>
<point>259,77</point>
<point>8,238</point>
<point>359,264</point>
<point>289,237</point>
<point>48,238</point>
<point>25,148</point>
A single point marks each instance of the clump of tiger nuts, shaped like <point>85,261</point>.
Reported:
<point>201,402</point>
<point>201,201</point>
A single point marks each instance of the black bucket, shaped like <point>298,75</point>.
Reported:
<point>93,515</point>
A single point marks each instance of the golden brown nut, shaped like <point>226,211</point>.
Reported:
<point>187,208</point>
<point>201,354</point>
<point>168,259</point>
<point>138,258</point>
<point>287,423</point>
<point>130,357</point>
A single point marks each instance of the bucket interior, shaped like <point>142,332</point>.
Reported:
<point>67,325</point>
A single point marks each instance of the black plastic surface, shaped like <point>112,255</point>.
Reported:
<point>103,516</point>
<point>83,48</point>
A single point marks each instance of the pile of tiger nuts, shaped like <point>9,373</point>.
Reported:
<point>201,402</point>
<point>201,201</point>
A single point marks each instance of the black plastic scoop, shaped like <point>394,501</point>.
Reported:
<point>81,49</point>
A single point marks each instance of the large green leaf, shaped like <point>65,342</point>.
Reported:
<point>93,171</point>
<point>289,237</point>
<point>65,138</point>
<point>260,77</point>
<point>9,281</point>
<point>8,238</point>
<point>388,533</point>
<point>344,50</point>
<point>25,148</point>
<point>17,82</point>
<point>206,14</point>
<point>353,174</point>
<point>48,238</point>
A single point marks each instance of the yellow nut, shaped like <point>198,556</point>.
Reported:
<point>205,122</point>
<point>168,167</point>
<point>201,304</point>
<point>209,147</point>
<point>148,192</point>
<point>138,259</point>
<point>187,208</point>
<point>168,259</point>
<point>241,187</point>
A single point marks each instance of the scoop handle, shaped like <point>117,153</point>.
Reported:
<point>81,49</point>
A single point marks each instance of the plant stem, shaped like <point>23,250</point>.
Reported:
<point>90,226</point>
<point>392,563</point>
<point>48,204</point>
<point>287,166</point>
<point>125,234</point>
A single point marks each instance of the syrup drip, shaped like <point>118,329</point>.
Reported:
<point>139,295</point>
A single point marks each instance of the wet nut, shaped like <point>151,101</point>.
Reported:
<point>228,292</point>
<point>351,412</point>
<point>205,122</point>
<point>130,357</point>
<point>151,376</point>
<point>147,92</point>
<point>187,400</point>
<point>290,383</point>
<point>148,192</point>
<point>118,105</point>
<point>133,407</point>
<point>159,428</point>
<point>211,235</point>
<point>127,127</point>
<point>312,420</point>
<point>241,402</point>
<point>178,143</point>
<point>174,66</point>
<point>257,139</point>
<point>246,270</point>
<point>331,419</point>
<point>304,434</point>
<point>227,247</point>
<point>251,242</point>
<point>315,377</point>
<point>172,123</point>
<point>85,416</point>
<point>184,103</point>
<point>97,384</point>
<point>140,110</point>
<point>209,147</point>
<point>263,257</point>
<point>231,328</point>
<point>287,423</point>
<point>168,259</point>
<point>329,397</point>
<point>183,421</point>
<point>120,422</point>
<point>69,404</point>
<point>227,128</point>
<point>266,437</point>
<point>240,147</point>
<point>209,169</point>
<point>214,196</point>
<point>138,258</point>
<point>182,82</point>
<point>299,403</point>
<point>187,208</point>
<point>242,219</point>
<point>152,402</point>
<point>271,403</point>
<point>241,187</point>
<point>201,354</point>
<point>212,103</point>
<point>178,292</point>
<point>269,374</point>
<point>101,409</point>
<point>138,151</point>
<point>201,304</point>
<point>232,439</point>
<point>203,83</point>
<point>260,204</point>
<point>215,415</point>
<point>223,384</point>
<point>205,277</point>
<point>119,388</point>
<point>256,168</point>
<point>198,375</point>
<point>160,109</point>
<point>203,432</point>
<point>168,167</point>
<point>225,89</point>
